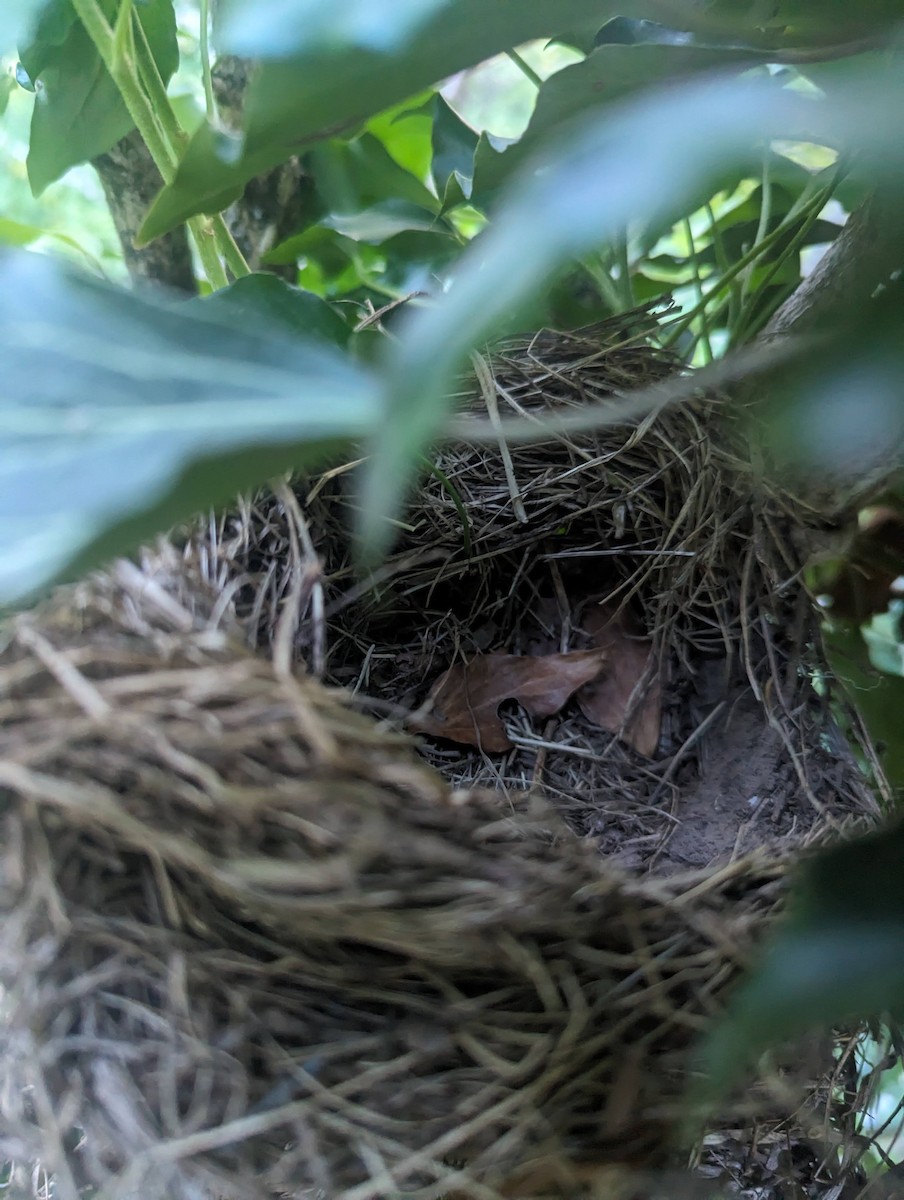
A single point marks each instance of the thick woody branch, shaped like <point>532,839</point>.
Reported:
<point>271,207</point>
<point>869,249</point>
<point>131,181</point>
<point>864,257</point>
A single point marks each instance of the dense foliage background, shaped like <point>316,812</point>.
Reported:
<point>459,169</point>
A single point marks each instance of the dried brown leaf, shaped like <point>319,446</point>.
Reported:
<point>608,699</point>
<point>466,699</point>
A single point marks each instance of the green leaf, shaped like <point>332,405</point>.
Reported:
<point>327,67</point>
<point>383,221</point>
<point>266,304</point>
<point>276,29</point>
<point>877,695</point>
<point>78,111</point>
<point>14,233</point>
<point>7,87</point>
<point>454,145</point>
<point>17,21</point>
<point>50,31</point>
<point>331,250</point>
<point>610,74</point>
<point>405,131</point>
<point>121,416</point>
<point>355,175</point>
<point>883,639</point>
<point>839,956</point>
<point>608,174</point>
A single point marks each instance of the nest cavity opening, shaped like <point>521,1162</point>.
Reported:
<point>655,526</point>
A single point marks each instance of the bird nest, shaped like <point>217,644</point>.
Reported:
<point>648,541</point>
<point>257,942</point>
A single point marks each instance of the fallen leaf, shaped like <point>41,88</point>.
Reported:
<point>466,698</point>
<point>607,700</point>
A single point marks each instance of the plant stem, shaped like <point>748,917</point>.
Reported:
<point>704,338</point>
<point>209,102</point>
<point>525,68</point>
<point>763,224</point>
<point>125,76</point>
<point>751,256</point>
<point>723,263</point>
<point>135,74</point>
<point>751,322</point>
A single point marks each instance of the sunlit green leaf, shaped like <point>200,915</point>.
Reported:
<point>326,70</point>
<point>121,416</point>
<point>78,111</point>
<point>404,129</point>
<point>14,233</point>
<point>883,639</point>
<point>608,75</point>
<point>878,696</point>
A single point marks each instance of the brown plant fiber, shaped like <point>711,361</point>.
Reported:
<point>256,942</point>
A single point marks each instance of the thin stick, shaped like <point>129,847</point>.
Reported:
<point>487,386</point>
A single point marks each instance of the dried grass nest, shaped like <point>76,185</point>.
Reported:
<point>661,521</point>
<point>255,945</point>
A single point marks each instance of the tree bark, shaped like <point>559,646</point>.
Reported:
<point>130,180</point>
<point>270,209</point>
<point>272,205</point>
<point>869,249</point>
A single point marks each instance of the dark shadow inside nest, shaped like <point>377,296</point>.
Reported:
<point>721,779</point>
<point>658,523</point>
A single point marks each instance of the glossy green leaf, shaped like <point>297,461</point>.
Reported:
<point>405,129</point>
<point>330,249</point>
<point>121,416</point>
<point>607,174</point>
<point>326,70</point>
<point>49,33</point>
<point>454,145</point>
<point>268,305</point>
<point>354,175</point>
<point>78,111</point>
<point>839,956</point>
